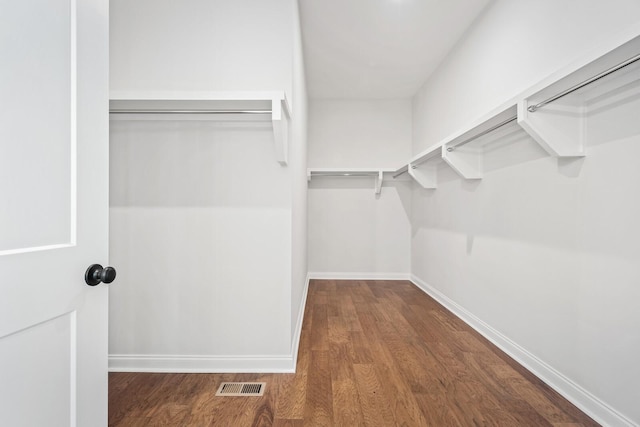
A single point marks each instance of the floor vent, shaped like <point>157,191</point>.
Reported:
<point>241,389</point>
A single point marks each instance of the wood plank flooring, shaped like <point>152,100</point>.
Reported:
<point>372,353</point>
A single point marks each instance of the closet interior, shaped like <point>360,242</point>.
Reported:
<point>220,216</point>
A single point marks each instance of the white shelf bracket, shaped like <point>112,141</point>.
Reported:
<point>425,175</point>
<point>280,119</point>
<point>465,161</point>
<point>378,185</point>
<point>558,129</point>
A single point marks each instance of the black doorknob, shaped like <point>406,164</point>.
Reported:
<point>96,274</point>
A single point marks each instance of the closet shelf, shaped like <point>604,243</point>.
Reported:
<point>425,156</point>
<point>464,152</point>
<point>378,174</point>
<point>237,106</point>
<point>555,116</point>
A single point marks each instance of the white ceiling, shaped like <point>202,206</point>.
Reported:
<point>379,48</point>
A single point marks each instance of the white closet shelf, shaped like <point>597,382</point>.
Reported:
<point>554,116</point>
<point>236,106</point>
<point>464,152</point>
<point>378,174</point>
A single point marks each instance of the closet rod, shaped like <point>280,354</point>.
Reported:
<point>342,174</point>
<point>403,171</point>
<point>491,129</point>
<point>189,111</point>
<point>533,108</point>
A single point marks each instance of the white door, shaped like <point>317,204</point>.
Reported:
<point>53,211</point>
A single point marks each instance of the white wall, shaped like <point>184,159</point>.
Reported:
<point>353,233</point>
<point>359,133</point>
<point>512,46</point>
<point>200,245</point>
<point>543,251</point>
<point>298,165</point>
<point>203,218</point>
<point>201,45</point>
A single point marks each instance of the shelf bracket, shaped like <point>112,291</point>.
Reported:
<point>378,185</point>
<point>426,176</point>
<point>280,119</point>
<point>465,161</point>
<point>558,129</point>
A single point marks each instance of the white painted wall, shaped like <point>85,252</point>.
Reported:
<point>359,133</point>
<point>353,233</point>
<point>542,251</point>
<point>203,218</point>
<point>512,46</point>
<point>298,166</point>
<point>201,246</point>
<point>201,45</point>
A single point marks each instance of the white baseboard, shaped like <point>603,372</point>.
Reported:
<point>588,403</point>
<point>359,276</point>
<point>295,343</point>
<point>200,364</point>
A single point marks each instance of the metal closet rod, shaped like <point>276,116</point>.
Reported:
<point>401,172</point>
<point>118,111</point>
<point>343,174</point>
<point>533,108</point>
<point>491,129</point>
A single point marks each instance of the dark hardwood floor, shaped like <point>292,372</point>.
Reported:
<point>374,353</point>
